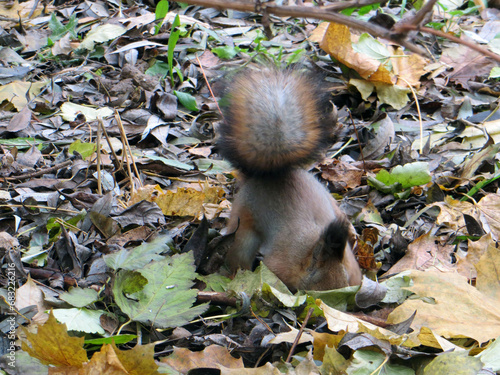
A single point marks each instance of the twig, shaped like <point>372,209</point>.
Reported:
<point>403,28</point>
<point>359,141</point>
<point>418,112</point>
<point>39,273</point>
<point>420,15</point>
<point>208,84</point>
<point>98,150</point>
<point>299,335</point>
<point>40,172</point>
<point>216,298</point>
<point>128,151</point>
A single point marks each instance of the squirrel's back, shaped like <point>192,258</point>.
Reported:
<point>274,120</point>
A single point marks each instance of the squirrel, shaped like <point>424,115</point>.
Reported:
<point>275,121</point>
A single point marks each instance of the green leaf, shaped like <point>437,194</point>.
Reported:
<point>226,52</point>
<point>118,339</point>
<point>396,292</point>
<point>170,162</point>
<point>372,362</point>
<point>394,95</point>
<point>212,166</point>
<point>79,297</point>
<point>21,142</point>
<point>161,9</point>
<point>83,148</point>
<point>215,282</point>
<point>339,299</point>
<point>187,100</point>
<point>172,42</point>
<point>102,34</point>
<point>495,72</point>
<point>140,256</point>
<point>81,320</point>
<point>408,175</point>
<point>251,282</point>
<point>491,355</point>
<point>459,363</point>
<point>167,299</point>
<point>158,68</point>
<point>369,46</point>
<point>59,30</point>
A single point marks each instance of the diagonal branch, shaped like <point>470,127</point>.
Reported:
<point>320,13</point>
<point>327,13</point>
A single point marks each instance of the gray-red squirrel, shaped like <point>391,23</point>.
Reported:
<point>276,121</point>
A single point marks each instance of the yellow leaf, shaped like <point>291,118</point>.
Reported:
<point>112,361</point>
<point>337,42</point>
<point>449,306</point>
<point>488,271</point>
<point>53,346</point>
<point>408,68</point>
<point>182,202</point>
<point>16,92</point>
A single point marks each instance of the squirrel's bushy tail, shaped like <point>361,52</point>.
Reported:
<point>275,120</point>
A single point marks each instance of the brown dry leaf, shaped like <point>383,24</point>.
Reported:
<point>318,33</point>
<point>337,42</point>
<point>200,151</point>
<point>449,306</point>
<point>475,249</point>
<point>408,68</point>
<point>31,294</point>
<point>138,360</point>
<point>452,211</point>
<point>8,242</point>
<point>478,158</point>
<point>267,369</point>
<point>18,10</point>
<point>488,272</point>
<point>467,64</point>
<point>339,321</point>
<point>104,362</point>
<point>486,212</point>
<point>20,120</point>
<point>364,249</point>
<point>213,356</point>
<point>52,345</point>
<point>424,253</point>
<point>182,202</point>
<point>112,361</point>
<point>489,206</point>
<point>383,134</point>
<point>342,173</point>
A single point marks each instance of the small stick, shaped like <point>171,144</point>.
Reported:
<point>297,339</point>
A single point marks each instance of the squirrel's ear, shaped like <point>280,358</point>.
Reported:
<point>335,238</point>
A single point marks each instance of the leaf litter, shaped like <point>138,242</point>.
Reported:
<point>108,168</point>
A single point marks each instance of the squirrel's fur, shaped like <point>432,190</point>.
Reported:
<point>275,121</point>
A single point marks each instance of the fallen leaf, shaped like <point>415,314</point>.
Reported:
<point>214,356</point>
<point>52,345</point>
<point>451,307</point>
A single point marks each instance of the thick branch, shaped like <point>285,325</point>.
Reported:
<point>319,13</point>
<point>397,35</point>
